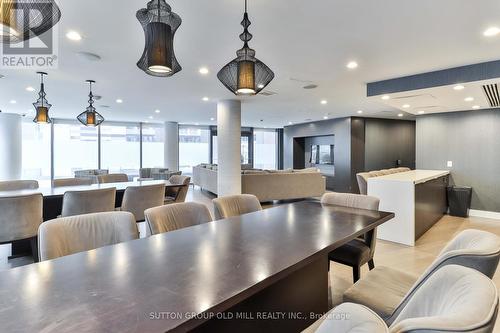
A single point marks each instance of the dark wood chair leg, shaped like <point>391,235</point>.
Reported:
<point>34,249</point>
<point>356,273</point>
<point>371,264</point>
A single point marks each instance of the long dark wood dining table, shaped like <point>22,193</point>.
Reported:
<point>261,272</point>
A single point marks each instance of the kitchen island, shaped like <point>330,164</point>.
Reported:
<point>418,198</point>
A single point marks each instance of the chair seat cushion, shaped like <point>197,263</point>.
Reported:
<point>354,253</point>
<point>382,289</point>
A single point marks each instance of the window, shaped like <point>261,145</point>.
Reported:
<point>245,150</point>
<point>120,148</point>
<point>75,148</point>
<point>153,151</point>
<point>194,147</point>
<point>36,151</point>
<point>265,149</point>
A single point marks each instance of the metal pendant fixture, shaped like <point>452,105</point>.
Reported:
<point>21,20</point>
<point>245,75</point>
<point>90,117</point>
<point>159,24</point>
<point>42,106</point>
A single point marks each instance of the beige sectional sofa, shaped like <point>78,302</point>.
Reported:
<point>267,185</point>
<point>363,177</point>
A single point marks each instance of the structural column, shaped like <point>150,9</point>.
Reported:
<point>171,156</point>
<point>10,146</point>
<point>229,147</point>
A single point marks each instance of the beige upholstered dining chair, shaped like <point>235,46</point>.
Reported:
<point>176,216</point>
<point>177,194</point>
<point>86,202</point>
<point>137,199</point>
<point>112,178</point>
<point>453,299</point>
<point>235,205</point>
<point>359,251</point>
<point>63,182</point>
<point>69,235</point>
<point>16,185</point>
<point>387,290</point>
<point>19,219</point>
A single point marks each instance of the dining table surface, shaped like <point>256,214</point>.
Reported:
<point>51,191</point>
<point>176,281</point>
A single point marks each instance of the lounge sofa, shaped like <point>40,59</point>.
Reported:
<point>267,185</point>
<point>363,177</point>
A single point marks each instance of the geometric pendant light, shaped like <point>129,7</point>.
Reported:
<point>21,20</point>
<point>90,117</point>
<point>245,75</point>
<point>42,106</point>
<point>159,24</point>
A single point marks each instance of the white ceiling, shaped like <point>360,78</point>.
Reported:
<point>306,40</point>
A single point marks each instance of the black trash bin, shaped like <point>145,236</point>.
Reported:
<point>459,200</point>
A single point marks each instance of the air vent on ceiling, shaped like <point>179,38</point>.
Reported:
<point>491,92</point>
<point>267,93</point>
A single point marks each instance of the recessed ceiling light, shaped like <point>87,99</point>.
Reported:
<point>360,111</point>
<point>205,99</point>
<point>325,117</point>
<point>73,35</point>
<point>13,101</point>
<point>476,107</point>
<point>150,117</point>
<point>119,101</point>
<point>406,106</point>
<point>352,65</point>
<point>459,87</point>
<point>212,119</point>
<point>491,32</point>
<point>204,71</point>
<point>157,111</point>
<point>421,112</point>
<point>290,123</point>
<point>324,102</point>
<point>386,97</point>
<point>469,99</point>
<point>30,89</point>
<point>400,115</point>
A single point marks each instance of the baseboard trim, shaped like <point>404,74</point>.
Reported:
<point>484,214</point>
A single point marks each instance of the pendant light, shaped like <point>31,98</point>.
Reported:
<point>42,106</point>
<point>90,117</point>
<point>21,20</point>
<point>159,24</point>
<point>245,75</point>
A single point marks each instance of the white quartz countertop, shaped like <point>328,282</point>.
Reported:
<point>414,176</point>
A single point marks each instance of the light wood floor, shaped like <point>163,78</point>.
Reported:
<point>409,259</point>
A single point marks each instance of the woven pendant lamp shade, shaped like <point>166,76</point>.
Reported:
<point>21,20</point>
<point>245,75</point>
<point>159,24</point>
<point>90,117</point>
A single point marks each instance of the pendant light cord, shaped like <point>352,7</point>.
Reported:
<point>245,6</point>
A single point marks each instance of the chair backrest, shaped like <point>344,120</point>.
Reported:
<point>15,185</point>
<point>71,182</point>
<point>362,179</point>
<point>453,299</point>
<point>20,217</point>
<point>137,199</point>
<point>86,202</point>
<point>112,178</point>
<point>476,249</point>
<point>68,235</point>
<point>351,200</point>
<point>235,205</point>
<point>179,193</point>
<point>176,216</point>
